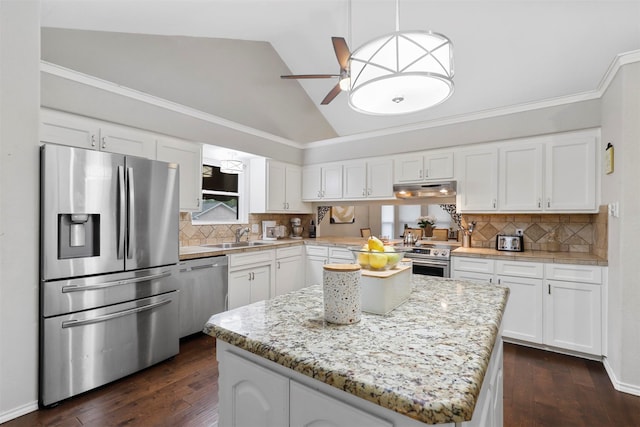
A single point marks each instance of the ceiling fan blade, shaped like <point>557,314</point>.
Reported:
<point>332,94</point>
<point>310,76</point>
<point>342,51</point>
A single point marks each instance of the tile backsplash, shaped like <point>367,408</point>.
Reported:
<point>585,233</point>
<point>195,235</point>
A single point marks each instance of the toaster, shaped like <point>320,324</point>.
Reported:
<point>509,243</point>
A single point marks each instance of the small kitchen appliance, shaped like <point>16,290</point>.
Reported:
<point>296,228</point>
<point>509,243</point>
<point>269,230</point>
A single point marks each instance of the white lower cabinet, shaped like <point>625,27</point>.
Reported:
<point>556,305</point>
<point>317,257</point>
<point>573,312</point>
<point>250,395</point>
<point>250,277</point>
<point>311,408</point>
<point>289,269</point>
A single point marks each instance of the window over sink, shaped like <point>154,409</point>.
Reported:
<point>223,197</point>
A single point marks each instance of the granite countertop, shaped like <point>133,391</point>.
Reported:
<point>426,359</point>
<point>533,256</point>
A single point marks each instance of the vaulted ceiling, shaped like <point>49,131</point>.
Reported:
<point>507,53</point>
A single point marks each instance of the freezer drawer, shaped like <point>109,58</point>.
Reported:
<point>84,350</point>
<point>67,296</point>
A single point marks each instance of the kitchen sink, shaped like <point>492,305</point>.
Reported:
<point>235,245</point>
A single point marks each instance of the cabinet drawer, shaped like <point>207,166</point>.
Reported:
<point>318,251</point>
<point>340,254</point>
<point>478,265</point>
<point>520,269</point>
<point>289,251</point>
<point>574,273</point>
<point>251,258</point>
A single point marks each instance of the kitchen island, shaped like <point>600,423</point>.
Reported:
<point>436,359</point>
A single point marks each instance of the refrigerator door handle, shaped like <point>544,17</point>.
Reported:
<point>121,211</point>
<point>81,288</point>
<point>99,319</point>
<point>131,214</point>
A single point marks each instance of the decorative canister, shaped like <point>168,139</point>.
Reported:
<point>341,289</point>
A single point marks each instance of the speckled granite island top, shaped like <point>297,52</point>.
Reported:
<point>426,359</point>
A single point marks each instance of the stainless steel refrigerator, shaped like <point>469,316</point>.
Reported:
<point>109,246</point>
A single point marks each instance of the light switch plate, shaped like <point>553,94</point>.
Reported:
<point>613,209</point>
<point>519,232</point>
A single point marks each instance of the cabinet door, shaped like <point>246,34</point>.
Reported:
<point>472,276</point>
<point>289,274</point>
<point>311,183</point>
<point>311,408</point>
<point>355,180</point>
<point>239,288</point>
<point>260,284</point>
<point>479,180</point>
<point>380,178</point>
<point>293,190</point>
<point>408,168</point>
<point>276,183</point>
<point>130,142</point>
<point>523,316</point>
<point>331,182</point>
<point>438,166</point>
<point>520,177</point>
<point>67,129</point>
<point>189,156</point>
<point>315,270</point>
<point>570,174</point>
<point>251,396</point>
<point>572,316</point>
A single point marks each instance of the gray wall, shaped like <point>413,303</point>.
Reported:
<point>19,109</point>
<point>621,127</point>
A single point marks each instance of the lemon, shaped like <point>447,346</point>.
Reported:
<point>393,258</point>
<point>375,244</point>
<point>377,260</point>
<point>389,249</point>
<point>363,259</point>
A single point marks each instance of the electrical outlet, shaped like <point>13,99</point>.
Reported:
<point>614,209</point>
<point>255,228</point>
<point>519,232</point>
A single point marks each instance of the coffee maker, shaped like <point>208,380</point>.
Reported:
<point>296,228</point>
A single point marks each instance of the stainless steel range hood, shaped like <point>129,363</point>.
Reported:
<point>433,189</point>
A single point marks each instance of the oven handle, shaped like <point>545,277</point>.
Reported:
<point>99,319</point>
<point>417,261</point>
<point>80,288</point>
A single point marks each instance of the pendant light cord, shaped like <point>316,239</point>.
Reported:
<point>397,16</point>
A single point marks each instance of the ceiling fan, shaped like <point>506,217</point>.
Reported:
<point>342,54</point>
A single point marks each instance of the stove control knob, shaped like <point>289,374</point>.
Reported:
<point>444,253</point>
<point>435,252</point>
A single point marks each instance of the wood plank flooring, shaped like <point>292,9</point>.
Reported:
<point>540,389</point>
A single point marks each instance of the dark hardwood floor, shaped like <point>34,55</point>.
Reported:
<point>540,389</point>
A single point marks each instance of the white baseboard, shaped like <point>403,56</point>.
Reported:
<point>18,412</point>
<point>617,384</point>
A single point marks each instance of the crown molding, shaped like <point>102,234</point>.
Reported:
<point>619,61</point>
<point>92,81</point>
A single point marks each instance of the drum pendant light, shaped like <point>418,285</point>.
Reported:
<point>402,72</point>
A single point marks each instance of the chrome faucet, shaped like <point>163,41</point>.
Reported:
<point>240,232</point>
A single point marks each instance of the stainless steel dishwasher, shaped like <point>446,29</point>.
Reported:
<point>203,291</point>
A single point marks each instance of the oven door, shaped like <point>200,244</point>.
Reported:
<point>431,267</point>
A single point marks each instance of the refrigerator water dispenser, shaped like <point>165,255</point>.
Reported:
<point>78,235</point>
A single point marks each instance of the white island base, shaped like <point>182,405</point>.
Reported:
<point>254,391</point>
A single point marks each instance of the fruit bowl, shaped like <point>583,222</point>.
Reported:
<point>377,260</point>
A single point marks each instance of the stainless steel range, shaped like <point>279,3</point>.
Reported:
<point>430,260</point>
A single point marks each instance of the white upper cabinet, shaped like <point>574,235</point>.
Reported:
<point>553,173</point>
<point>520,177</point>
<point>478,180</point>
<point>322,182</point>
<point>189,156</point>
<point>571,172</point>
<point>276,187</point>
<point>420,167</point>
<point>57,127</point>
<point>368,179</point>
